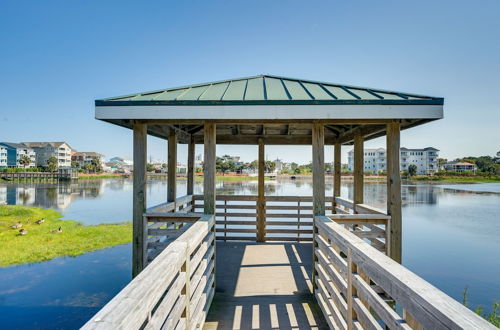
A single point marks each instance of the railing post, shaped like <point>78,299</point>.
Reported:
<point>225,220</point>
<point>186,268</point>
<point>298,220</point>
<point>351,290</point>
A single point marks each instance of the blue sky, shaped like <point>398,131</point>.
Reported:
<point>57,57</point>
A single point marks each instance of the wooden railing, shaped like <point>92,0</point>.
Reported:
<point>287,218</point>
<point>166,222</point>
<point>346,206</point>
<point>360,287</point>
<point>173,292</point>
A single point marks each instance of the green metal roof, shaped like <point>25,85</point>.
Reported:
<point>267,90</point>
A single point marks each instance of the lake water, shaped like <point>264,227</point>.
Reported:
<point>450,238</point>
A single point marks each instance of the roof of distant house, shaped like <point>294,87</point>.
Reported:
<point>460,163</point>
<point>44,144</point>
<point>88,153</point>
<point>15,145</point>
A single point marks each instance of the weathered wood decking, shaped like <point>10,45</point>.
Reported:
<point>264,286</point>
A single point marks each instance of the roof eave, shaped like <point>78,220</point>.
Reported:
<point>434,101</point>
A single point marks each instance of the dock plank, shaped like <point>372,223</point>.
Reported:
<point>264,286</point>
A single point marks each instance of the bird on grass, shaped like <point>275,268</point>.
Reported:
<point>39,222</point>
<point>56,231</point>
<point>23,232</point>
<point>17,225</point>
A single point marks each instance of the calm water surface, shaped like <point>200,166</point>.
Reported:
<point>450,238</point>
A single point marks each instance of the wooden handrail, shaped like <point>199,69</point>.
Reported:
<point>174,290</point>
<point>372,279</point>
<point>171,206</point>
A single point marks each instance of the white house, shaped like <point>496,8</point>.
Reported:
<point>460,167</point>
<point>375,159</point>
<point>3,156</point>
<point>120,163</point>
<point>83,157</point>
<point>45,150</point>
<point>13,152</point>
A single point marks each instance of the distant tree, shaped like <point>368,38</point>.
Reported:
<point>150,167</point>
<point>52,164</point>
<point>75,164</point>
<point>269,166</point>
<point>96,165</point>
<point>88,168</point>
<point>412,170</point>
<point>24,161</point>
<point>254,165</point>
<point>441,162</point>
<point>329,167</point>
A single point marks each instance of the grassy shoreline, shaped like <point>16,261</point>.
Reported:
<point>41,244</point>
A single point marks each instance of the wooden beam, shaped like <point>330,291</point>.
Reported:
<point>337,171</point>
<point>261,203</point>
<point>195,129</point>
<point>172,167</point>
<point>358,170</point>
<point>190,166</point>
<point>365,131</point>
<point>139,240</point>
<point>394,190</point>
<point>268,139</point>
<point>209,169</point>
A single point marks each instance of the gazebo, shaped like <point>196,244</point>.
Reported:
<point>347,243</point>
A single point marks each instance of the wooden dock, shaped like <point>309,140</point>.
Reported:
<point>62,175</point>
<point>199,275</point>
<point>264,286</point>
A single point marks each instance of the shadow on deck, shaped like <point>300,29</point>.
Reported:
<point>264,286</point>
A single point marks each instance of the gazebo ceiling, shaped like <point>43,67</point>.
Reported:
<point>277,109</point>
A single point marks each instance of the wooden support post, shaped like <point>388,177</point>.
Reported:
<point>190,166</point>
<point>172,167</point>
<point>318,162</point>
<point>139,242</point>
<point>318,157</point>
<point>359,167</point>
<point>209,169</point>
<point>261,203</point>
<point>337,173</point>
<point>394,190</point>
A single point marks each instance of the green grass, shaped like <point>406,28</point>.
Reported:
<point>99,176</point>
<point>493,316</point>
<point>40,244</point>
<point>231,178</point>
